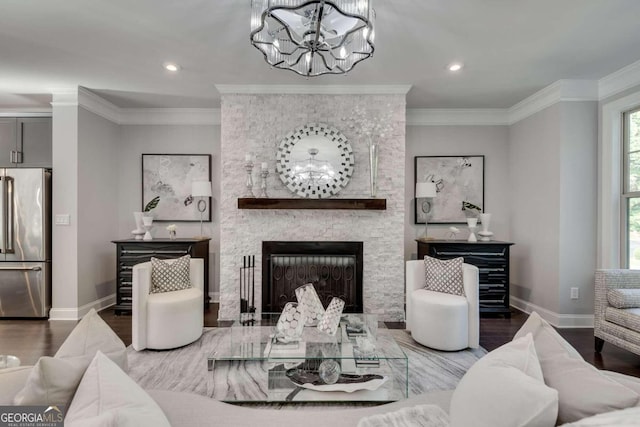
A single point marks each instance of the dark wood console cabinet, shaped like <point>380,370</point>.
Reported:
<point>131,252</point>
<point>491,258</point>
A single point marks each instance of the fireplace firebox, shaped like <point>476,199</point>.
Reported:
<point>334,268</point>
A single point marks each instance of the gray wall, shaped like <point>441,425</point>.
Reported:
<point>162,139</point>
<point>490,141</point>
<point>97,206</point>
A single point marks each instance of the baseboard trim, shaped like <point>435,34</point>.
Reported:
<point>78,313</point>
<point>556,319</point>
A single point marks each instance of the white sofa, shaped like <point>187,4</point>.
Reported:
<point>190,410</point>
<point>511,375</point>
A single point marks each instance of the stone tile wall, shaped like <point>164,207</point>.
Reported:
<point>256,124</point>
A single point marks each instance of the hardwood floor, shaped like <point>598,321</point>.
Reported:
<point>30,339</point>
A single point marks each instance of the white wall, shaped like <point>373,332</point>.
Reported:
<point>534,177</point>
<point>490,141</point>
<point>97,206</point>
<point>162,139</point>
<point>65,201</point>
<point>578,178</point>
<point>552,160</point>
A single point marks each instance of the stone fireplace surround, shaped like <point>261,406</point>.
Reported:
<point>255,123</point>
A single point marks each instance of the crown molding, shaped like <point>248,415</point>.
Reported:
<point>135,116</point>
<point>315,89</point>
<point>98,105</point>
<point>562,90</point>
<point>618,81</point>
<point>170,116</point>
<point>457,117</point>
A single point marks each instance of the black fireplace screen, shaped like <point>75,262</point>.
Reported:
<point>334,268</point>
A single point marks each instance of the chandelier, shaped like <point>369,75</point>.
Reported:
<point>313,37</point>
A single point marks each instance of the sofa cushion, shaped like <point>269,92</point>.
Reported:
<point>420,415</point>
<point>106,396</point>
<point>629,417</point>
<point>170,275</point>
<point>624,298</point>
<point>505,388</point>
<point>90,335</point>
<point>444,275</point>
<point>582,389</point>
<point>626,317</point>
<point>12,380</point>
<point>53,380</point>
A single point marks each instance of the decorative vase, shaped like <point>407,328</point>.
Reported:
<point>472,223</point>
<point>310,301</point>
<point>331,319</point>
<point>139,231</point>
<point>373,167</point>
<point>172,235</point>
<point>485,234</point>
<point>147,221</point>
<point>291,323</point>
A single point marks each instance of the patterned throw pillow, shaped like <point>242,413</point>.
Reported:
<point>444,275</point>
<point>167,277</point>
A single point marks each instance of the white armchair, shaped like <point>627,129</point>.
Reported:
<point>442,321</point>
<point>170,319</point>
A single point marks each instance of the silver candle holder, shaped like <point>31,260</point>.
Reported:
<point>264,173</point>
<point>248,166</point>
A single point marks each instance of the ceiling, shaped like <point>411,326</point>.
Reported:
<point>116,48</point>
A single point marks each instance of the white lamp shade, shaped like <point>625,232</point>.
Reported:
<point>201,188</point>
<point>425,189</point>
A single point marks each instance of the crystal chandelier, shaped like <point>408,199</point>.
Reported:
<point>313,37</point>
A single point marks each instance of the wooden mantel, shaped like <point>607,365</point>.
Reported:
<point>355,204</point>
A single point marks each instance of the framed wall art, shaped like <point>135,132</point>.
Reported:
<point>458,179</point>
<point>169,177</point>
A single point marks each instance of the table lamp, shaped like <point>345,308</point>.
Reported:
<point>425,190</point>
<point>201,189</point>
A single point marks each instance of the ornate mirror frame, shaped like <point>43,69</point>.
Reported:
<point>296,160</point>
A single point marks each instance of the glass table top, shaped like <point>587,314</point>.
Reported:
<point>249,366</point>
<point>253,340</point>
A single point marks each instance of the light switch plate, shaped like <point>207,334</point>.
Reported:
<point>63,219</point>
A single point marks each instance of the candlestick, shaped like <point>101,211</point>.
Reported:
<point>248,166</point>
<point>263,186</point>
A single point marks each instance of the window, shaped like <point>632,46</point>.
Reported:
<point>631,189</point>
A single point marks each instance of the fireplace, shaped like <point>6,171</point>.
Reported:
<point>334,268</point>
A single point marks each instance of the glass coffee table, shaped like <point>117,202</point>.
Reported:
<point>249,366</point>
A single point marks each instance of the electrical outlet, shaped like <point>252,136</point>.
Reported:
<point>63,219</point>
<point>575,293</point>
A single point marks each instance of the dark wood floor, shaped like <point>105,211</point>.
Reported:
<point>30,339</point>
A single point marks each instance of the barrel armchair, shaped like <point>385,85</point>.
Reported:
<point>438,320</point>
<point>170,319</point>
<point>617,309</point>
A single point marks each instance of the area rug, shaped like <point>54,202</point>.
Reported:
<point>185,369</point>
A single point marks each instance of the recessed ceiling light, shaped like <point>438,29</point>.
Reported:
<point>170,66</point>
<point>455,66</point>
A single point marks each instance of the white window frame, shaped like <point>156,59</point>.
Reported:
<point>625,195</point>
<point>610,172</point>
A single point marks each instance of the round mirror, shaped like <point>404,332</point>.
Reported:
<point>315,161</point>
